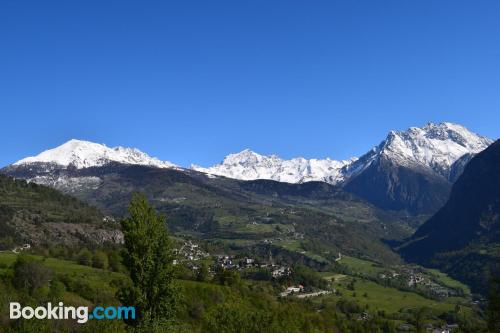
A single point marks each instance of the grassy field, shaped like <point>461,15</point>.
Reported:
<point>389,299</point>
<point>362,266</point>
<point>7,258</point>
<point>333,277</point>
<point>96,278</point>
<point>295,246</point>
<point>448,281</point>
<point>366,293</point>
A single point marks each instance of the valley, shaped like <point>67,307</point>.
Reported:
<point>347,252</point>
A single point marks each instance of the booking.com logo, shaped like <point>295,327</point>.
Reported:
<point>80,313</point>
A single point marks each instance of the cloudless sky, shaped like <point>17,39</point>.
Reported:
<point>191,81</point>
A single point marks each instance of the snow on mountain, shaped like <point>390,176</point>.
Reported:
<point>248,165</point>
<point>434,146</point>
<point>84,154</point>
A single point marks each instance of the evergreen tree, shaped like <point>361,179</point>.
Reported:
<point>148,257</point>
<point>493,310</point>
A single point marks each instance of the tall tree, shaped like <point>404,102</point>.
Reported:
<point>493,310</point>
<point>148,257</point>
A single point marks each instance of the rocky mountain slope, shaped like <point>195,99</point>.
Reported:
<point>413,170</point>
<point>463,237</point>
<point>38,215</point>
<point>410,170</point>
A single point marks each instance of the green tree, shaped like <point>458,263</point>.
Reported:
<point>227,277</point>
<point>493,310</point>
<point>57,289</point>
<point>148,257</point>
<point>85,257</point>
<point>30,275</point>
<point>100,260</point>
<point>203,273</point>
<point>420,316</point>
<point>115,261</point>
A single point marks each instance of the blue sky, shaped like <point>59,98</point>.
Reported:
<point>191,81</point>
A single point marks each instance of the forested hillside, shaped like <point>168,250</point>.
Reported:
<point>36,214</point>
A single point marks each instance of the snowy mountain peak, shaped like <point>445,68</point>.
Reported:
<point>84,154</point>
<point>250,158</point>
<point>434,146</point>
<point>249,165</point>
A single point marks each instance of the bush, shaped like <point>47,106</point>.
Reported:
<point>85,257</point>
<point>227,277</point>
<point>57,289</point>
<point>115,262</point>
<point>29,275</point>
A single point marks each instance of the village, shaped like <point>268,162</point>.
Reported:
<point>415,278</point>
<point>191,255</point>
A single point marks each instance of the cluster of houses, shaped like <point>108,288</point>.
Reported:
<point>293,235</point>
<point>292,290</point>
<point>225,262</point>
<point>417,278</point>
<point>414,278</point>
<point>280,272</point>
<point>229,262</point>
<point>298,291</point>
<point>190,251</point>
<point>389,275</point>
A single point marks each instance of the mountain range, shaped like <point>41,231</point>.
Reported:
<point>409,171</point>
<point>435,147</point>
<point>311,207</point>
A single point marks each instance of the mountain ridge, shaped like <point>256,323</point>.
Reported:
<point>410,170</point>
<point>461,237</point>
<point>433,146</point>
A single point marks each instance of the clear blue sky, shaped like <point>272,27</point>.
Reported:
<point>191,81</point>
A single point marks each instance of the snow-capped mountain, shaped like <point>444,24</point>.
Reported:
<point>413,170</point>
<point>83,154</point>
<point>434,146</point>
<point>248,165</point>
